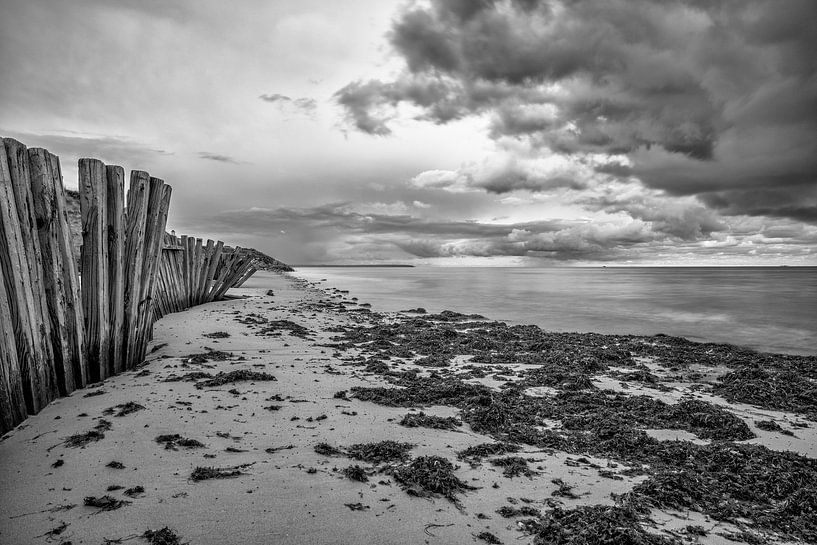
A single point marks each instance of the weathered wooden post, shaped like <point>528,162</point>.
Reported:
<point>115,232</point>
<point>94,266</point>
<point>61,289</point>
<point>158,206</point>
<point>134,257</point>
<point>12,401</point>
<point>22,269</point>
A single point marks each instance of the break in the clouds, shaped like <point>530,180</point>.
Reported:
<point>715,99</point>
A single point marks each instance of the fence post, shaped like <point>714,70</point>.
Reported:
<point>158,207</point>
<point>23,273</point>
<point>94,276</point>
<point>59,272</point>
<point>134,257</point>
<point>12,400</point>
<point>115,232</point>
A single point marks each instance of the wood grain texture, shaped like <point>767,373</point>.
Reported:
<point>12,401</point>
<point>32,326</point>
<point>51,227</point>
<point>94,266</point>
<point>115,232</point>
<point>134,257</point>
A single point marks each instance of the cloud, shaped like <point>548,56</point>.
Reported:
<point>218,157</point>
<point>306,105</point>
<point>711,99</point>
<point>645,230</point>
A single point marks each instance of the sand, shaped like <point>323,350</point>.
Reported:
<point>286,496</point>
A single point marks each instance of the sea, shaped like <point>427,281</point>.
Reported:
<point>769,309</point>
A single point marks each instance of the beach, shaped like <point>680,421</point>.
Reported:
<point>261,419</point>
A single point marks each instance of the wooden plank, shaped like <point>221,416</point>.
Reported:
<point>158,207</point>
<point>134,257</point>
<point>12,401</point>
<point>75,321</point>
<point>51,227</point>
<point>191,259</point>
<point>205,268</point>
<point>251,271</point>
<point>185,272</point>
<point>32,327</point>
<point>197,266</point>
<point>94,266</point>
<point>211,272</point>
<point>115,232</point>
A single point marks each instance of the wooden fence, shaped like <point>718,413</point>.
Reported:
<point>63,328</point>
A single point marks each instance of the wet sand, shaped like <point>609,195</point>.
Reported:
<point>285,492</point>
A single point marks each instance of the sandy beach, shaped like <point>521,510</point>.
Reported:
<point>299,387</point>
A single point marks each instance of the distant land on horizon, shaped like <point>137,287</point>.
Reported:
<point>362,265</point>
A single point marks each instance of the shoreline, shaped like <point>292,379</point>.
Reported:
<point>318,343</point>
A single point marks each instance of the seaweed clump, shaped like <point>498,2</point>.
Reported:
<point>207,473</point>
<point>597,525</point>
<point>426,476</point>
<point>380,452</point>
<point>423,420</point>
<point>513,466</point>
<point>91,436</point>
<point>356,473</point>
<point>784,390</point>
<point>123,409</point>
<point>234,376</point>
<point>483,450</point>
<point>164,536</point>
<point>105,503</point>
<point>325,449</point>
<point>171,441</point>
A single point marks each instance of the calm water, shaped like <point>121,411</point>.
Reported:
<point>770,309</point>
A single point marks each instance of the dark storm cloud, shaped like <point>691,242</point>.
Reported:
<point>716,99</point>
<point>218,157</point>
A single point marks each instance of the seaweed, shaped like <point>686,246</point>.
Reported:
<point>164,536</point>
<point>508,511</point>
<point>93,393</point>
<point>207,473</point>
<point>325,449</point>
<point>216,335</point>
<point>134,491</point>
<point>230,377</point>
<point>477,452</point>
<point>356,473</point>
<point>210,355</point>
<point>171,441</point>
<point>513,466</point>
<point>596,525</point>
<point>82,439</point>
<point>427,476</point>
<point>771,425</point>
<point>488,537</point>
<point>188,377</point>
<point>423,420</point>
<point>382,451</point>
<point>113,464</point>
<point>123,409</point>
<point>783,390</point>
<point>105,503</point>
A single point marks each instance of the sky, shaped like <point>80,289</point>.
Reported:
<point>444,132</point>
